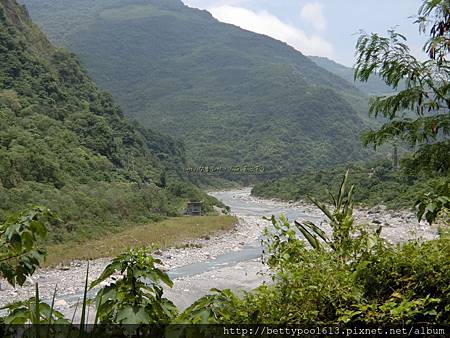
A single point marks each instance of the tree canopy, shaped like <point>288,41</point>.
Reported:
<point>420,112</point>
<point>426,91</point>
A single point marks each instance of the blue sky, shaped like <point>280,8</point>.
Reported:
<point>319,27</point>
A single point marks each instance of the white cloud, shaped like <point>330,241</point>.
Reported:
<point>312,14</point>
<point>263,22</point>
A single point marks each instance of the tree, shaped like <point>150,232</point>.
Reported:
<point>426,83</point>
<point>419,112</point>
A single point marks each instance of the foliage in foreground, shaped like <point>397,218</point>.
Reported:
<point>136,296</point>
<point>394,285</point>
<point>435,204</point>
<point>426,93</point>
<point>20,234</point>
<point>388,285</point>
<point>427,87</point>
<point>375,283</point>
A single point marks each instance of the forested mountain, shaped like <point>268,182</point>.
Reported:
<point>234,97</point>
<point>65,144</point>
<point>374,86</point>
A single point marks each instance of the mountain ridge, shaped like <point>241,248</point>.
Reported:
<point>374,86</point>
<point>233,96</point>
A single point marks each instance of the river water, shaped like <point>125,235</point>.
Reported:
<point>239,267</point>
<point>397,227</point>
<point>242,205</point>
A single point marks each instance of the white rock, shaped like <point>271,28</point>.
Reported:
<point>61,303</point>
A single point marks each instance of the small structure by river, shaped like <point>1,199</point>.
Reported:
<point>194,209</point>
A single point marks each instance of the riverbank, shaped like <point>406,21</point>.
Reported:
<point>172,232</point>
<point>242,273</point>
<point>397,225</point>
<point>69,278</point>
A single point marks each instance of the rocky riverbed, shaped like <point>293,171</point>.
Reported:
<point>69,279</point>
<point>245,274</point>
<point>397,225</point>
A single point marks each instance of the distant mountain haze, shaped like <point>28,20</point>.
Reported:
<point>232,96</point>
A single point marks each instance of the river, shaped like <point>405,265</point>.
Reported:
<point>231,260</point>
<point>243,205</point>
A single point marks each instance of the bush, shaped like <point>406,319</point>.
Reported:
<point>407,283</point>
<point>309,291</point>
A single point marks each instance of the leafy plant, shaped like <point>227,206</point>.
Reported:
<point>136,296</point>
<point>426,93</point>
<point>219,307</point>
<point>347,240</point>
<point>20,253</point>
<point>341,220</point>
<point>436,13</point>
<point>33,311</point>
<point>309,288</point>
<point>282,243</point>
<point>407,283</point>
<point>436,204</point>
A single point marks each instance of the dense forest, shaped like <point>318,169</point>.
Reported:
<point>377,183</point>
<point>66,145</point>
<point>234,97</point>
<point>374,86</point>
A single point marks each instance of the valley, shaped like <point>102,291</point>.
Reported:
<point>232,96</point>
<point>228,259</point>
<point>160,165</point>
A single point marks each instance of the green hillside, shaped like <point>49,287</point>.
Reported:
<point>374,86</point>
<point>65,144</point>
<point>234,97</point>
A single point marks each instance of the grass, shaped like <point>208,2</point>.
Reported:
<point>168,233</point>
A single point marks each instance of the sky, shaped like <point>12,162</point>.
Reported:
<point>320,27</point>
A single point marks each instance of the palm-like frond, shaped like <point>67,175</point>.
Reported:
<point>311,238</point>
<point>340,219</point>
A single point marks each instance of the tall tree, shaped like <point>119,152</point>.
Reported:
<point>424,90</point>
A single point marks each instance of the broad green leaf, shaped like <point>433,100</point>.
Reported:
<point>133,315</point>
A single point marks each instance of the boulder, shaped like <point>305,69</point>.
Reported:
<point>61,303</point>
